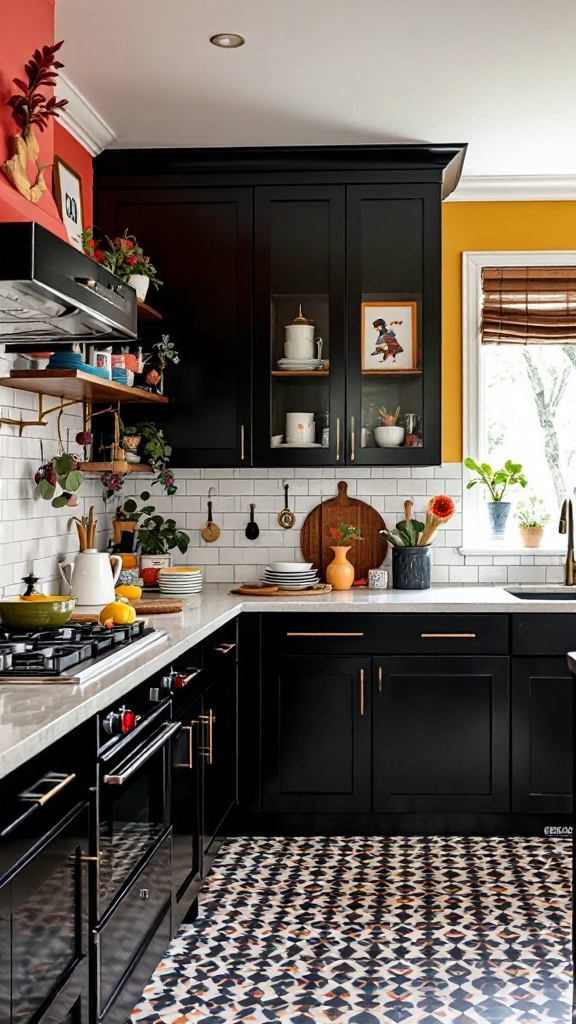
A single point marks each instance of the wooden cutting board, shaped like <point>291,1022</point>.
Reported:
<point>143,607</point>
<point>364,554</point>
<point>257,590</point>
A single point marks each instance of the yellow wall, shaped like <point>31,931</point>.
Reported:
<point>476,227</point>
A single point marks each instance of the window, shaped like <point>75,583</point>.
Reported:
<point>519,334</point>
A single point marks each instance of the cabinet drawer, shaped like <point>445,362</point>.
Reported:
<point>384,633</point>
<point>544,635</point>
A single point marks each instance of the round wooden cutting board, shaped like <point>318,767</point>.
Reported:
<point>364,554</point>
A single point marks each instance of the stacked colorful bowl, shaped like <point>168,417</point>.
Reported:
<point>179,580</point>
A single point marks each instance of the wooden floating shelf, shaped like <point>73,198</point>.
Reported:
<point>391,373</point>
<point>146,312</point>
<point>76,385</point>
<point>119,466</point>
<point>300,373</point>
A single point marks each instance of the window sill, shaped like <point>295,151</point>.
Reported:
<point>510,549</point>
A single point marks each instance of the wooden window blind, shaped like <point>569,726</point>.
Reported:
<point>528,306</point>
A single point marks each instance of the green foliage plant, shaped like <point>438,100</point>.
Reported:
<point>496,480</point>
<point>531,512</point>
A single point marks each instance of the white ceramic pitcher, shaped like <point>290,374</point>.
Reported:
<point>90,576</point>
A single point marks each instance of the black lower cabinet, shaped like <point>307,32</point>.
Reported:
<point>440,734</point>
<point>542,735</point>
<point>315,734</point>
<point>186,803</point>
<point>218,751</point>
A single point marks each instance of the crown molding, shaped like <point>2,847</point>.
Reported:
<point>521,188</point>
<point>82,120</point>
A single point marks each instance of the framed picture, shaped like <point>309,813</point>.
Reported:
<point>68,196</point>
<point>389,336</point>
<point>102,359</point>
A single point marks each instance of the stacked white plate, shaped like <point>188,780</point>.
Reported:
<point>179,580</point>
<point>300,364</point>
<point>291,575</point>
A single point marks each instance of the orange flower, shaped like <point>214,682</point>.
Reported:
<point>441,506</point>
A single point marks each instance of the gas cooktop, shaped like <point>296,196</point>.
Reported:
<point>74,653</point>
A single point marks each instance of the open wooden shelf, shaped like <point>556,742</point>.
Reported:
<point>391,373</point>
<point>115,467</point>
<point>300,373</point>
<point>146,312</point>
<point>76,385</point>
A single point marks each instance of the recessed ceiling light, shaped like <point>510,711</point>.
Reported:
<point>228,40</point>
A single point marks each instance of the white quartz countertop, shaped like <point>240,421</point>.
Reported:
<point>33,716</point>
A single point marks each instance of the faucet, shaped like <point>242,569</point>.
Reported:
<point>566,525</point>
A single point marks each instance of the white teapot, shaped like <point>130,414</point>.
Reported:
<point>90,576</point>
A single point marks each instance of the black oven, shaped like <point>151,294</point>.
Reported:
<point>131,916</point>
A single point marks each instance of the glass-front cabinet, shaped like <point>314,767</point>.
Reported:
<point>346,350</point>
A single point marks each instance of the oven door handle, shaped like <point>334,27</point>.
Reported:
<point>165,734</point>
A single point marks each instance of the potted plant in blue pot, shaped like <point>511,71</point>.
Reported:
<point>497,481</point>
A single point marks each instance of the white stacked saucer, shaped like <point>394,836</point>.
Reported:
<point>290,579</point>
<point>180,580</point>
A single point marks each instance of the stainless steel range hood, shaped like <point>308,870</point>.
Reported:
<point>51,292</point>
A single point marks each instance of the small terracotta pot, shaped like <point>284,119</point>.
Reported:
<point>340,572</point>
<point>531,536</point>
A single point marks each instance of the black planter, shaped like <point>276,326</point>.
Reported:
<point>411,568</point>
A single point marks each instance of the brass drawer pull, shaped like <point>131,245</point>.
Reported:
<point>379,678</point>
<point>242,446</point>
<point>192,673</point>
<point>85,858</point>
<point>361,691</point>
<point>352,439</point>
<point>35,798</point>
<point>208,751</point>
<point>225,648</point>
<point>324,634</point>
<point>338,440</point>
<point>436,635</point>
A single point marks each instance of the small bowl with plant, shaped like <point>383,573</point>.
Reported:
<point>531,516</point>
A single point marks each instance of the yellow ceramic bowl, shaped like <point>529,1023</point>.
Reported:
<point>36,610</point>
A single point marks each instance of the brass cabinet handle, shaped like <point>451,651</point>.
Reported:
<point>324,634</point>
<point>225,648</point>
<point>190,762</point>
<point>427,636</point>
<point>208,751</point>
<point>352,439</point>
<point>361,691</point>
<point>36,798</point>
<point>242,451</point>
<point>85,858</point>
<point>379,678</point>
<point>338,439</point>
<point>193,672</point>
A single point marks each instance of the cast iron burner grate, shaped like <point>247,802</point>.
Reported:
<point>51,651</point>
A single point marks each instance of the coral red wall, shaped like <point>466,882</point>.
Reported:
<point>24,28</point>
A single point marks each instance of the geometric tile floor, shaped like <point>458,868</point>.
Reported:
<point>374,930</point>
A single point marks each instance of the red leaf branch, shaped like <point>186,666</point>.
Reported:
<point>32,107</point>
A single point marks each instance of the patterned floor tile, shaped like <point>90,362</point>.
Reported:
<point>374,930</point>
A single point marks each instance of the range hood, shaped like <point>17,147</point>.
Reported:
<point>51,292</point>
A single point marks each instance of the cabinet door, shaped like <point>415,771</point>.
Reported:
<point>218,751</point>
<point>316,734</point>
<point>186,768</point>
<point>542,735</point>
<point>299,265</point>
<point>440,734</point>
<point>393,288</point>
<point>201,244</point>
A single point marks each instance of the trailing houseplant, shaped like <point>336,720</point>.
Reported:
<point>62,471</point>
<point>155,450</point>
<point>156,535</point>
<point>531,516</point>
<point>497,481</point>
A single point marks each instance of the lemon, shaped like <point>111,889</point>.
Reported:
<point>119,613</point>
<point>130,591</point>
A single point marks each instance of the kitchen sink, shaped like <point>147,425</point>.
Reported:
<point>558,593</point>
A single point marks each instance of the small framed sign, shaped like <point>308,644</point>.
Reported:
<point>389,336</point>
<point>103,360</point>
<point>68,196</point>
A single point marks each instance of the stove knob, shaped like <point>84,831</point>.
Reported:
<point>118,723</point>
<point>178,681</point>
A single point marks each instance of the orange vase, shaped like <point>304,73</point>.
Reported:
<point>340,572</point>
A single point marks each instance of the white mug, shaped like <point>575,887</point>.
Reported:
<point>299,427</point>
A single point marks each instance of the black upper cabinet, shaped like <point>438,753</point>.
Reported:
<point>201,243</point>
<point>350,234</point>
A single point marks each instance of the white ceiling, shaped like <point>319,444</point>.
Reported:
<point>497,74</point>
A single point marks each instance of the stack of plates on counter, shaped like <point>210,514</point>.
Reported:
<point>180,580</point>
<point>300,364</point>
<point>291,575</point>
